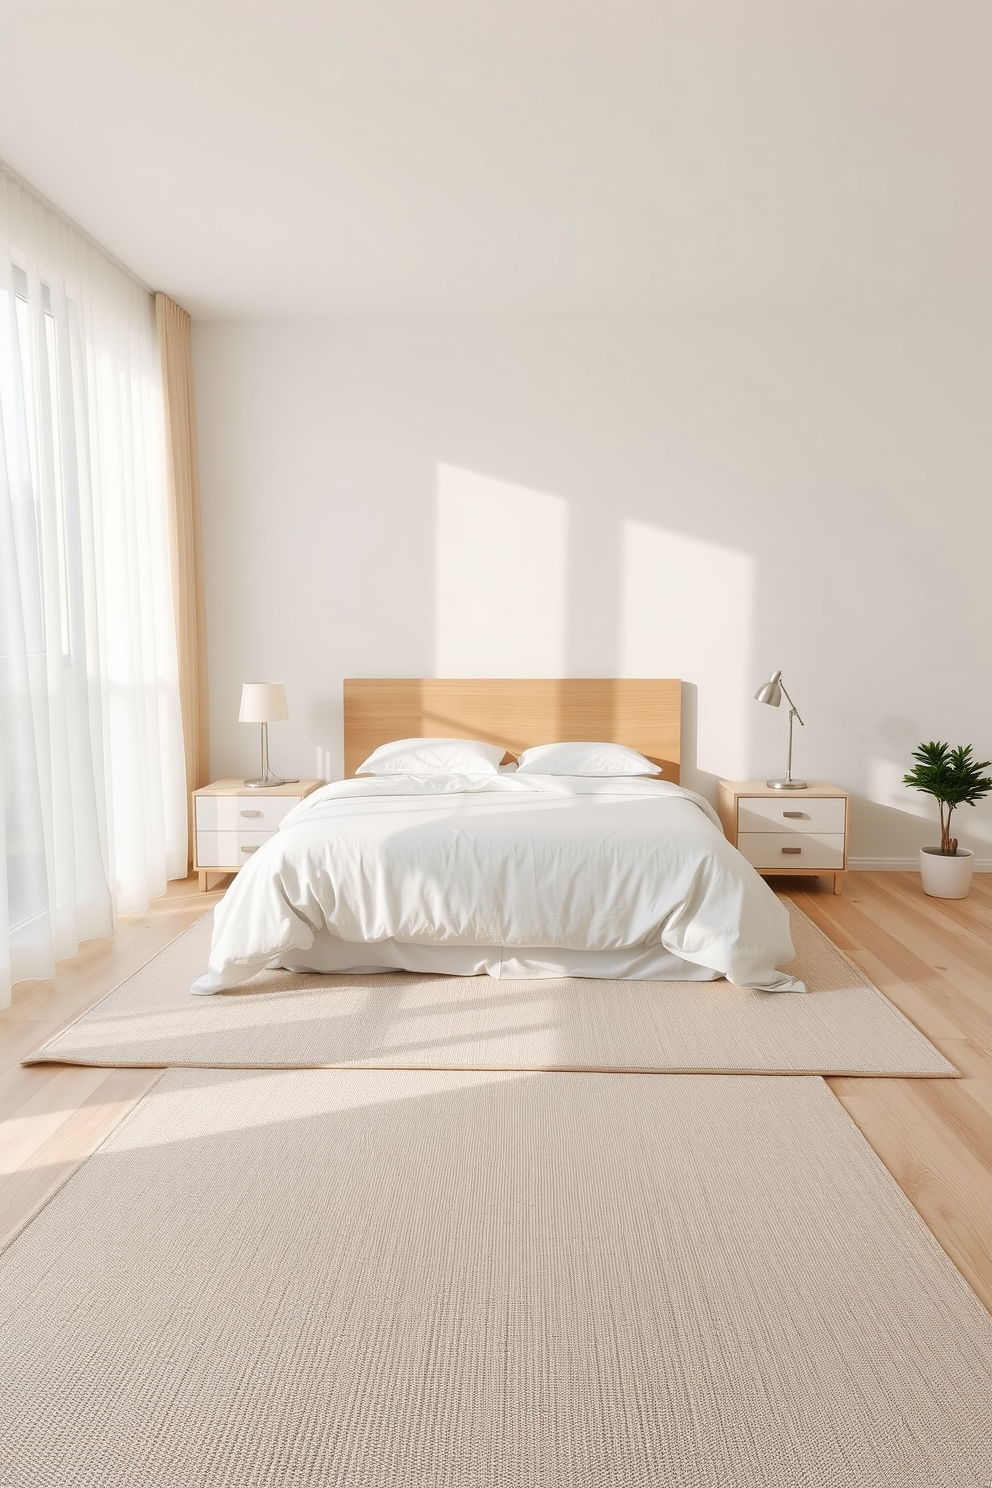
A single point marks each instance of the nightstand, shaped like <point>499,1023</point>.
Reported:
<point>232,821</point>
<point>796,831</point>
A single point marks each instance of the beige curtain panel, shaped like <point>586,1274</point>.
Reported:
<point>185,543</point>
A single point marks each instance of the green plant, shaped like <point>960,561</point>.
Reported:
<point>953,778</point>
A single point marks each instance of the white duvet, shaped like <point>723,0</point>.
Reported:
<point>504,860</point>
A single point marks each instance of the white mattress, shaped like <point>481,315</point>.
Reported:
<point>330,954</point>
<point>547,872</point>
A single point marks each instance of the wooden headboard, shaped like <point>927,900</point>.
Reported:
<point>645,714</point>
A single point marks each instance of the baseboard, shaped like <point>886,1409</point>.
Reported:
<point>903,865</point>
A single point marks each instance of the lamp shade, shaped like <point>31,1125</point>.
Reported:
<point>770,692</point>
<point>263,702</point>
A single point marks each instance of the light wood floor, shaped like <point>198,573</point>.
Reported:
<point>932,958</point>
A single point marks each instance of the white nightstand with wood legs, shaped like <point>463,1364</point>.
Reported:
<point>796,831</point>
<point>233,821</point>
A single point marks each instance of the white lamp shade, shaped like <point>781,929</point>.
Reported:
<point>263,702</point>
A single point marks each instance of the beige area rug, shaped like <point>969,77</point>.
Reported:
<point>400,1021</point>
<point>388,1279</point>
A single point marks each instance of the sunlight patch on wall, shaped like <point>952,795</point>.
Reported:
<point>688,611</point>
<point>885,788</point>
<point>502,553</point>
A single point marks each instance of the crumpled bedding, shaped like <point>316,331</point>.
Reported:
<point>583,863</point>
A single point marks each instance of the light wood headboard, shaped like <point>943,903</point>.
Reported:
<point>644,714</point>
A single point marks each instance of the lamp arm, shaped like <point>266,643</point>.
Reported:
<point>791,703</point>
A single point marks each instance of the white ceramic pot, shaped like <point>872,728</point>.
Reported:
<point>945,877</point>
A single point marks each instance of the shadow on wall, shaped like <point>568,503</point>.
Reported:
<point>688,611</point>
<point>693,778</point>
<point>893,813</point>
<point>683,608</point>
<point>323,721</point>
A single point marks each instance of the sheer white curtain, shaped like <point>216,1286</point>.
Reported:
<point>92,775</point>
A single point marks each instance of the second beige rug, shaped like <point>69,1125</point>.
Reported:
<point>463,1279</point>
<point>283,1021</point>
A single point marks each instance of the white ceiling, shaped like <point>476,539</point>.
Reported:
<point>310,157</point>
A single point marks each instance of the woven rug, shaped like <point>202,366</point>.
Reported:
<point>282,1279</point>
<point>282,1020</point>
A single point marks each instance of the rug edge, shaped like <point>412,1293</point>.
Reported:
<point>868,981</point>
<point>38,1057</point>
<point>46,1055</point>
<point>833,1073</point>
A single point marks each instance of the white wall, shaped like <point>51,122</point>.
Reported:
<point>700,498</point>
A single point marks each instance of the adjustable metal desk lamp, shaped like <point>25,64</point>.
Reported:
<point>771,693</point>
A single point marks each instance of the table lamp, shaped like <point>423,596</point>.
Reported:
<point>771,693</point>
<point>264,703</point>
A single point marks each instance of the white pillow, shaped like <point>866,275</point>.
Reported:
<point>584,759</point>
<point>433,757</point>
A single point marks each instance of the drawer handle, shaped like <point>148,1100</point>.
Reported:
<point>255,849</point>
<point>258,813</point>
<point>792,849</point>
<point>797,814</point>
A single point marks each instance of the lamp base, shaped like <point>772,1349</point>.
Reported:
<point>786,784</point>
<point>268,782</point>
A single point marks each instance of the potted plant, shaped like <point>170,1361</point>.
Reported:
<point>954,779</point>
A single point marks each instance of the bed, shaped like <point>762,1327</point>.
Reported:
<point>505,874</point>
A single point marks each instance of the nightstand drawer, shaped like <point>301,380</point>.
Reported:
<point>242,813</point>
<point>815,851</point>
<point>782,814</point>
<point>228,849</point>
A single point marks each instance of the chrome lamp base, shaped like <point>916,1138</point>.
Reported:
<point>786,784</point>
<point>269,781</point>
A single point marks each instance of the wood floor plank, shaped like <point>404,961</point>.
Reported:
<point>936,936</point>
<point>942,1179</point>
<point>962,998</point>
<point>49,1108</point>
<point>971,916</point>
<point>981,889</point>
<point>18,1085</point>
<point>923,996</point>
<point>961,1116</point>
<point>975,1067</point>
